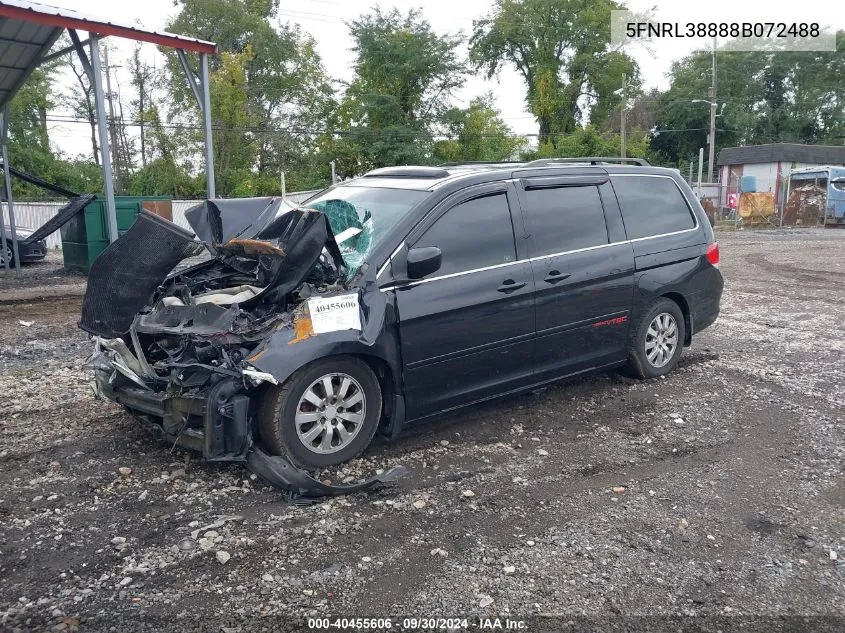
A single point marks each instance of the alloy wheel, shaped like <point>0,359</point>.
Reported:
<point>330,413</point>
<point>661,340</point>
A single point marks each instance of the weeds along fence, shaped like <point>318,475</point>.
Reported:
<point>33,214</point>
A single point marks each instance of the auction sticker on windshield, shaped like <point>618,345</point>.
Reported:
<point>330,314</point>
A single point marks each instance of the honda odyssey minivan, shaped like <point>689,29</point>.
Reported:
<point>394,297</point>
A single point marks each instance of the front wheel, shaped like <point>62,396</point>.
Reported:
<point>325,414</point>
<point>657,340</point>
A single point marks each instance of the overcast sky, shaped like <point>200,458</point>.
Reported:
<point>324,20</point>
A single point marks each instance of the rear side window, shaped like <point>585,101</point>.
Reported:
<point>651,206</point>
<point>473,234</point>
<point>565,219</point>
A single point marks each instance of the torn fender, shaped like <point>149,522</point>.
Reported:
<point>294,345</point>
<point>280,472</point>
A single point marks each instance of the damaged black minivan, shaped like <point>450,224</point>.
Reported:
<point>393,297</point>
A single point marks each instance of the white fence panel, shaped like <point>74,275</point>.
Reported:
<point>33,214</point>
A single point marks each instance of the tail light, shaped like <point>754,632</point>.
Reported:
<point>713,254</point>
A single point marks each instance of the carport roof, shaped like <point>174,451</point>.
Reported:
<point>787,152</point>
<point>28,31</point>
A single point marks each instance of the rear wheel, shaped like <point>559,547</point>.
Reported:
<point>656,342</point>
<point>324,414</point>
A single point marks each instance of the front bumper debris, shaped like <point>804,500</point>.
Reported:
<point>280,472</point>
<point>214,422</point>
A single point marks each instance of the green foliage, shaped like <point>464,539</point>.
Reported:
<point>268,78</point>
<point>163,177</point>
<point>405,74</point>
<point>590,141</point>
<point>274,109</point>
<point>478,134</point>
<point>768,97</point>
<point>562,50</point>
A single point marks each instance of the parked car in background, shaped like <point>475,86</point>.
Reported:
<point>28,253</point>
<point>397,296</point>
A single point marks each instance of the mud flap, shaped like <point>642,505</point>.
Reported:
<point>281,472</point>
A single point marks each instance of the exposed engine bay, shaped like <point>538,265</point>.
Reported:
<point>191,351</point>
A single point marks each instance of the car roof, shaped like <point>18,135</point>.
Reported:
<point>426,178</point>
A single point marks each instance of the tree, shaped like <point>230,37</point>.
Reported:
<point>234,147</point>
<point>164,177</point>
<point>405,74</point>
<point>80,102</point>
<point>589,141</point>
<point>477,134</point>
<point>763,97</point>
<point>286,94</point>
<point>562,50</point>
<point>144,78</point>
<point>29,146</point>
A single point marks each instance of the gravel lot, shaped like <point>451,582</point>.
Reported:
<point>717,492</point>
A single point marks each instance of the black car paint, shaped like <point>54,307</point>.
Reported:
<point>440,344</point>
<point>28,252</point>
<point>470,358</point>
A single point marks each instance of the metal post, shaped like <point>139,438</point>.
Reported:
<point>623,114</point>
<point>712,139</point>
<point>786,199</point>
<point>206,111</point>
<point>7,177</point>
<point>334,172</point>
<point>700,169</point>
<point>105,153</point>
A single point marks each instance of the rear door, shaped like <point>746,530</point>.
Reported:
<point>583,272</point>
<point>466,330</point>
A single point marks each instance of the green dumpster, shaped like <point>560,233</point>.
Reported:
<point>87,234</point>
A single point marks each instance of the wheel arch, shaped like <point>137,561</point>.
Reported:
<point>683,304</point>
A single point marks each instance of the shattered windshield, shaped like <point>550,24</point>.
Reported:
<point>360,216</point>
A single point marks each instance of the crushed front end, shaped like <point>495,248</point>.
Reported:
<point>173,349</point>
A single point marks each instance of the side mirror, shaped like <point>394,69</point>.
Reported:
<point>423,261</point>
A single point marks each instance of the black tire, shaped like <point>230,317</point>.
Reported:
<point>639,365</point>
<point>276,425</point>
<point>7,250</point>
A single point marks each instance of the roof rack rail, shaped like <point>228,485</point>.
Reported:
<point>411,171</point>
<point>592,160</point>
<point>481,162</point>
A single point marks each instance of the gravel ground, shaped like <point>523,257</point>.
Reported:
<point>716,493</point>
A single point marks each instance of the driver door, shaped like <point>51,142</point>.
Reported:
<point>467,329</point>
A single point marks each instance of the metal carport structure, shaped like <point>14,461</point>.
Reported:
<point>28,32</point>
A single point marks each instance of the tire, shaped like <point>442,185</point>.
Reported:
<point>304,393</point>
<point>643,361</point>
<point>6,252</point>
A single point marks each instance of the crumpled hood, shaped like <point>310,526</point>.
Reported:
<point>217,221</point>
<point>281,246</point>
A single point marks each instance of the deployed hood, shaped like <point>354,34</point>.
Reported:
<point>217,221</point>
<point>263,238</point>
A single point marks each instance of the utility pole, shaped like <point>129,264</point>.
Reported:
<point>712,138</point>
<point>624,114</point>
<point>112,127</point>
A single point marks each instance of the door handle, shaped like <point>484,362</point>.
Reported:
<point>509,285</point>
<point>555,276</point>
